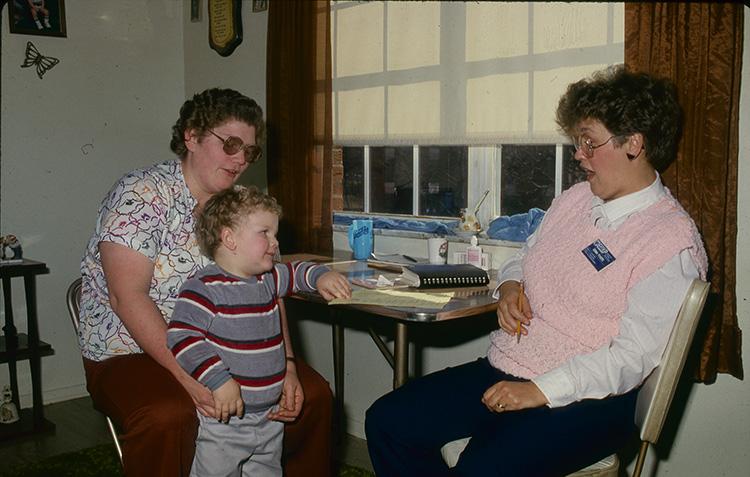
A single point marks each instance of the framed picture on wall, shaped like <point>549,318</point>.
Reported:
<point>37,17</point>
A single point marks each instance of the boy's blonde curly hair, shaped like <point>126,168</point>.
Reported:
<point>226,209</point>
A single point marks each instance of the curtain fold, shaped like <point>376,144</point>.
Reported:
<point>699,47</point>
<point>299,117</point>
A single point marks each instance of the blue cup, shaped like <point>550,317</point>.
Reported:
<point>360,238</point>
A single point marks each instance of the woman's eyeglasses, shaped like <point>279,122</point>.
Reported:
<point>232,145</point>
<point>587,146</point>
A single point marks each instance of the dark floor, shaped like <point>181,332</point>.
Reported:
<point>79,426</point>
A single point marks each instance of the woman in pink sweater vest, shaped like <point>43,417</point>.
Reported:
<point>603,279</point>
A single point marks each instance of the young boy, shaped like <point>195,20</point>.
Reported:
<point>225,332</point>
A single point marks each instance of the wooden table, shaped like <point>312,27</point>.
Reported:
<point>16,346</point>
<point>468,302</point>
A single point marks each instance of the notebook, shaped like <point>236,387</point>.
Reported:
<point>444,276</point>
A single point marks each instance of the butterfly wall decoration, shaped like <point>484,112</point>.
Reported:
<point>34,58</point>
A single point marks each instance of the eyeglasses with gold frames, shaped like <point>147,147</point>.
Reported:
<point>232,145</point>
<point>587,147</point>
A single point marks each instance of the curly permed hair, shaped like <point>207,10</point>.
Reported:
<point>626,103</point>
<point>211,108</point>
<point>226,209</point>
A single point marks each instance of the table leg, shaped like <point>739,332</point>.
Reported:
<point>11,341</point>
<point>35,361</point>
<point>338,371</point>
<point>400,356</point>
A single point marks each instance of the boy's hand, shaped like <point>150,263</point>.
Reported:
<point>292,397</point>
<point>228,401</point>
<point>334,285</point>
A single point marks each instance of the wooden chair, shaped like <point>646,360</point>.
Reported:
<point>73,297</point>
<point>655,395</point>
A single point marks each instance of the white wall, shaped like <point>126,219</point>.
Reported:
<point>106,108</point>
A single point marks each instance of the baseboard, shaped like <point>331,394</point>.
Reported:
<point>52,396</point>
<point>65,394</point>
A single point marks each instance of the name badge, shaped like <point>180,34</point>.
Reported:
<point>598,254</point>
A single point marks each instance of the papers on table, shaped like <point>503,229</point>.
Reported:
<point>395,298</point>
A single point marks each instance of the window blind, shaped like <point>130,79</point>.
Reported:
<point>473,73</point>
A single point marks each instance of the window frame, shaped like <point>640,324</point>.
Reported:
<point>484,172</point>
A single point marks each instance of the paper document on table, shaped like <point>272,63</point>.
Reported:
<point>391,298</point>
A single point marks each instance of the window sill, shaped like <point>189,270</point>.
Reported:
<point>426,226</point>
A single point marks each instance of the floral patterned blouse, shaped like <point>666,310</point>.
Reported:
<point>150,211</point>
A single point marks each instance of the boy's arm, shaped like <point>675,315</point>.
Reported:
<point>186,336</point>
<point>297,276</point>
<point>309,277</point>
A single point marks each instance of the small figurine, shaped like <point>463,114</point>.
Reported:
<point>11,241</point>
<point>468,222</point>
<point>8,410</point>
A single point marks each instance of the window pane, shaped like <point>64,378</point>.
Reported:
<point>354,178</point>
<point>443,179</point>
<point>391,186</point>
<point>528,178</point>
<point>572,172</point>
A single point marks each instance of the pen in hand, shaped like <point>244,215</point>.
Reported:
<point>520,307</point>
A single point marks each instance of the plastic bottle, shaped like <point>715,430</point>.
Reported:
<point>474,253</point>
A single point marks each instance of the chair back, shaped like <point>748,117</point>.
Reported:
<point>73,298</point>
<point>657,391</point>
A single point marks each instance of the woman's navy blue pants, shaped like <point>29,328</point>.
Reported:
<point>407,427</point>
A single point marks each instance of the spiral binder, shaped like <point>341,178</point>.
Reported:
<point>444,276</point>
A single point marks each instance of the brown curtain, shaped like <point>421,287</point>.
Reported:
<point>298,80</point>
<point>699,47</point>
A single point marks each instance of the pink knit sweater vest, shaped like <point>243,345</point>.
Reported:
<point>577,309</point>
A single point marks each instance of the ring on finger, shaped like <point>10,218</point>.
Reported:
<point>500,406</point>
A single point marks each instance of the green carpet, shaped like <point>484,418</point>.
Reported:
<point>101,461</point>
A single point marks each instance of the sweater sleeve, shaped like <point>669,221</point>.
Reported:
<point>297,276</point>
<point>187,335</point>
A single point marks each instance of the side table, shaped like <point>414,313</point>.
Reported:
<point>16,346</point>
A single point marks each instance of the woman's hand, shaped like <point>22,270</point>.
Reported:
<point>200,394</point>
<point>509,314</point>
<point>334,285</point>
<point>228,399</point>
<point>292,397</point>
<point>513,396</point>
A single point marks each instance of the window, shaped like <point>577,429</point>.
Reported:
<point>439,171</point>
<point>437,102</point>
<point>527,176</point>
<point>443,180</point>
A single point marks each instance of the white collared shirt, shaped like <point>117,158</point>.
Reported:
<point>652,307</point>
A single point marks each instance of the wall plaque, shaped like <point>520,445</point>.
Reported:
<point>224,25</point>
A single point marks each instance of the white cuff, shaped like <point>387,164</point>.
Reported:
<point>556,387</point>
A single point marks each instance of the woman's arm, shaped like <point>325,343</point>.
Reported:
<point>509,277</point>
<point>293,395</point>
<point>129,275</point>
